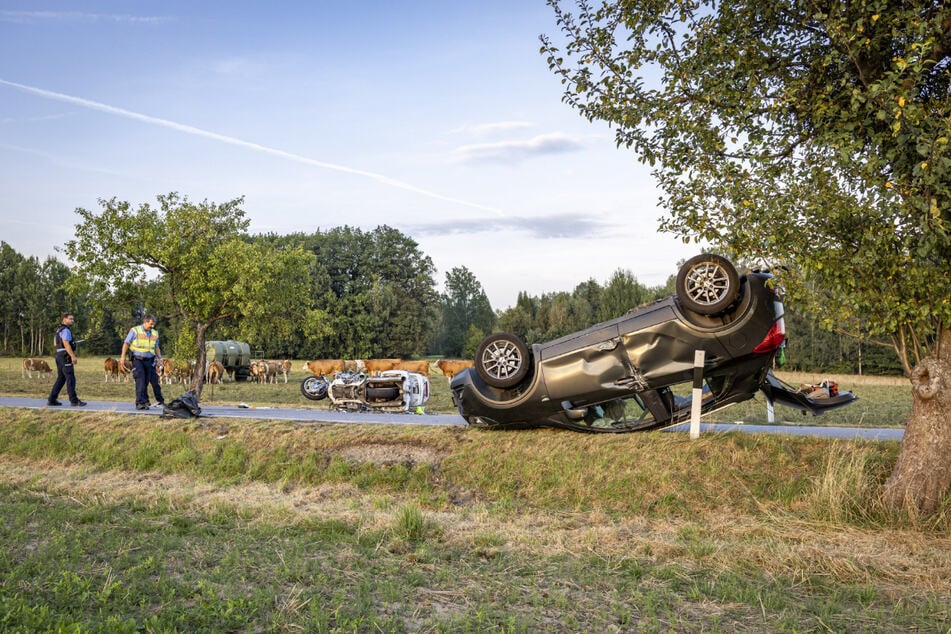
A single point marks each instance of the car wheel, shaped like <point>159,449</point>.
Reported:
<point>708,284</point>
<point>314,388</point>
<point>502,360</point>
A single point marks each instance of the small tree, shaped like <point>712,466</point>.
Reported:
<point>208,271</point>
<point>816,135</point>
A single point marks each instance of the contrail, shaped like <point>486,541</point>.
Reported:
<point>187,129</point>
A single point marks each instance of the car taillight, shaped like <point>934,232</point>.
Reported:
<point>773,339</point>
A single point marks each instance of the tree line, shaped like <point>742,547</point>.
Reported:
<point>372,294</point>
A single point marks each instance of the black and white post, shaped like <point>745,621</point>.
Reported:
<point>698,357</point>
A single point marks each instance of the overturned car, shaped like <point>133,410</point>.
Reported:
<point>636,372</point>
<point>391,391</point>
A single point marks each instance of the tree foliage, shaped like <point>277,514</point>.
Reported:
<point>207,272</point>
<point>553,315</point>
<point>466,313</point>
<point>375,288</point>
<point>33,294</point>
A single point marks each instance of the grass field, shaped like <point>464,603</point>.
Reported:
<point>121,523</point>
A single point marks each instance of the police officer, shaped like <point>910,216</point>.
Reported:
<point>143,342</point>
<point>65,360</point>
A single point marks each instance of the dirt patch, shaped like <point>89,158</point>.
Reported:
<point>390,454</point>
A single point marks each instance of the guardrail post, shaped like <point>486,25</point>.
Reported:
<point>698,357</point>
<point>770,411</point>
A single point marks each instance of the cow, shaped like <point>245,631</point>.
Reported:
<point>258,371</point>
<point>39,366</point>
<point>324,367</point>
<point>125,369</point>
<point>215,371</point>
<point>375,366</point>
<point>110,368</point>
<point>353,366</point>
<point>452,367</point>
<point>285,368</point>
<point>165,369</point>
<point>269,370</point>
<point>419,367</point>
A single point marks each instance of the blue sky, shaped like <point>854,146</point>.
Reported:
<point>440,119</point>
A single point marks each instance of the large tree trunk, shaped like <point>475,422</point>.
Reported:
<point>198,374</point>
<point>922,474</point>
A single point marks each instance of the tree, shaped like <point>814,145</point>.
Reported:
<point>809,134</point>
<point>376,289</point>
<point>622,293</point>
<point>207,271</point>
<point>11,297</point>
<point>464,306</point>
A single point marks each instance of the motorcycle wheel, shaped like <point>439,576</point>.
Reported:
<point>314,388</point>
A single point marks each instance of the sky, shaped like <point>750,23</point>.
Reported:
<point>440,119</point>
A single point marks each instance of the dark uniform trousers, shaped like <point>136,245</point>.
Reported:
<point>143,371</point>
<point>65,375</point>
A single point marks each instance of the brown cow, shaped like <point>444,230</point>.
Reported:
<point>375,366</point>
<point>452,367</point>
<point>354,365</point>
<point>125,369</point>
<point>285,368</point>
<point>36,365</point>
<point>324,367</point>
<point>182,371</point>
<point>165,369</point>
<point>110,368</point>
<point>419,367</point>
<point>271,370</point>
<point>215,371</point>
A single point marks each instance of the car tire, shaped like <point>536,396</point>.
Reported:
<point>314,388</point>
<point>708,284</point>
<point>501,360</point>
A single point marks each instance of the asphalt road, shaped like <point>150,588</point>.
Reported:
<point>445,420</point>
<point>265,413</point>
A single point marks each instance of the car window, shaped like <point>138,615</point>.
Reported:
<point>683,394</point>
<point>622,413</point>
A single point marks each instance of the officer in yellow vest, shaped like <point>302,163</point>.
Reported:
<point>143,342</point>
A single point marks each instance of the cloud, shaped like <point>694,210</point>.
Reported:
<point>576,225</point>
<point>484,129</point>
<point>256,147</point>
<point>33,17</point>
<point>514,151</point>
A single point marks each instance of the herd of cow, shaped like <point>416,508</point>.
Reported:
<point>330,367</point>
<point>261,371</point>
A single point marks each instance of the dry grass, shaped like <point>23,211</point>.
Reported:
<point>720,541</point>
<point>844,380</point>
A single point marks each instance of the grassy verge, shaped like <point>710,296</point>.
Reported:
<point>116,523</point>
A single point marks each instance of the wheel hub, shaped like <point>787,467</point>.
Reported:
<point>502,359</point>
<point>708,283</point>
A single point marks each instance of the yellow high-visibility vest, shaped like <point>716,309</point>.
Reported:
<point>144,341</point>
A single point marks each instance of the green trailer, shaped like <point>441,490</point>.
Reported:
<point>235,356</point>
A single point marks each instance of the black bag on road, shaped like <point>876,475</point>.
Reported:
<point>184,407</point>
